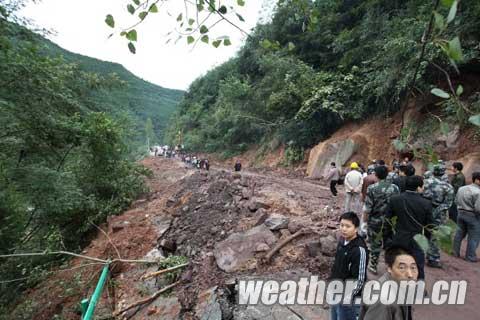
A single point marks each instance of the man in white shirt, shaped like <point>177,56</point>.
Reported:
<point>353,188</point>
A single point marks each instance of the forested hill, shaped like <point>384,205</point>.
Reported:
<point>320,64</point>
<point>139,98</point>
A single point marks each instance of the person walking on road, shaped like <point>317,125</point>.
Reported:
<point>458,181</point>
<point>332,176</point>
<point>353,188</point>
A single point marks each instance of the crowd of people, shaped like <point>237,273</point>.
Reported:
<point>386,210</point>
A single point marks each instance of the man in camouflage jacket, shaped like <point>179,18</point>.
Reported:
<point>441,194</point>
<point>374,209</point>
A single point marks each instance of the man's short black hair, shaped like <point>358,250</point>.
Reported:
<point>394,251</point>
<point>381,172</point>
<point>380,162</point>
<point>408,170</point>
<point>475,176</point>
<point>458,166</point>
<point>413,182</point>
<point>332,164</point>
<point>351,216</point>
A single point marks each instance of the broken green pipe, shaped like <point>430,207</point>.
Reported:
<point>92,303</point>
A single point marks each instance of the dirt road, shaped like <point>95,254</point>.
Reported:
<point>217,220</point>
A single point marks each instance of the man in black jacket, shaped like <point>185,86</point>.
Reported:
<point>351,260</point>
<point>409,214</point>
<point>406,170</point>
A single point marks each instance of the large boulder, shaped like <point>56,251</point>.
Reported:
<point>326,152</point>
<point>238,249</point>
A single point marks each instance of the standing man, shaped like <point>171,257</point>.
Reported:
<point>401,266</point>
<point>468,221</point>
<point>412,213</point>
<point>333,175</point>
<point>374,209</point>
<point>353,187</point>
<point>350,264</point>
<point>458,180</point>
<point>442,195</point>
<point>238,166</point>
<point>405,170</point>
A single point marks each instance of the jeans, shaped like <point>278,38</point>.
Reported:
<point>352,202</point>
<point>333,188</point>
<point>344,312</point>
<point>467,224</point>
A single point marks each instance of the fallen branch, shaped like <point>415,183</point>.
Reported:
<point>279,246</point>
<point>146,300</point>
<point>157,273</point>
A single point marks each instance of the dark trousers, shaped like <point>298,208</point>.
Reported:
<point>333,188</point>
<point>419,256</point>
<point>453,212</point>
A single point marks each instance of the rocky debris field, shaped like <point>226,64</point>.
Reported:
<point>225,227</point>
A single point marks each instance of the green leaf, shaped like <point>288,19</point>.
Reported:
<point>459,90</point>
<point>131,47</point>
<point>440,93</point>
<point>211,6</point>
<point>190,39</point>
<point>455,49</point>
<point>153,8</point>
<point>205,39</point>
<point>266,44</point>
<point>240,17</point>
<point>191,21</point>
<point>444,128</point>
<point>227,42</point>
<point>443,231</point>
<point>132,35</point>
<point>142,15</point>
<point>131,9</point>
<point>200,7</point>
<point>222,10</point>
<point>123,33</point>
<point>439,20</point>
<point>241,3</point>
<point>109,21</point>
<point>453,11</point>
<point>399,145</point>
<point>447,3</point>
<point>422,241</point>
<point>475,120</point>
<point>203,29</point>
<point>180,17</point>
<point>216,43</point>
<point>291,46</point>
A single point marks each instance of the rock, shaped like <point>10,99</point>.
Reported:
<point>324,153</point>
<point>285,233</point>
<point>214,229</point>
<point>234,252</point>
<point>171,202</point>
<point>168,245</point>
<point>262,216</point>
<point>246,193</point>
<point>314,249</point>
<point>291,193</point>
<point>295,226</point>
<point>329,246</point>
<point>185,209</point>
<point>161,224</point>
<point>236,176</point>
<point>262,247</point>
<point>166,308</point>
<point>237,199</point>
<point>154,255</point>
<point>277,222</point>
<point>207,307</point>
<point>117,226</point>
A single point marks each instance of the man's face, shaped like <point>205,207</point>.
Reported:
<point>454,170</point>
<point>348,229</point>
<point>404,268</point>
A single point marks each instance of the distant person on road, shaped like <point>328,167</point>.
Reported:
<point>468,221</point>
<point>458,181</point>
<point>353,188</point>
<point>238,166</point>
<point>333,175</point>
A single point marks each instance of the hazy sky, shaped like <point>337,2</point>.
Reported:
<point>80,27</point>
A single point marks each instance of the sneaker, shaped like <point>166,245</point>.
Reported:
<point>434,264</point>
<point>372,269</point>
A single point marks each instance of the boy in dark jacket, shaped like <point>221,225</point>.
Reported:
<point>351,261</point>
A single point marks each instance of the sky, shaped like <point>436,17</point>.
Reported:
<point>79,27</point>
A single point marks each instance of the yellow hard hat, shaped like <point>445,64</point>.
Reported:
<point>354,165</point>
